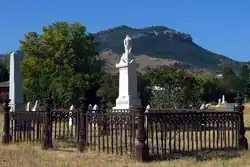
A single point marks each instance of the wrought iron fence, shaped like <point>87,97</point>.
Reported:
<point>156,132</point>
<point>26,127</point>
<point>180,132</point>
<point>111,132</point>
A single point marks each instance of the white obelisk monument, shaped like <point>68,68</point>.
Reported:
<point>128,95</point>
<point>15,83</point>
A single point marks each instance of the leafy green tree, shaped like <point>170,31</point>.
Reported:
<point>245,80</point>
<point>177,88</point>
<point>61,60</point>
<point>143,89</point>
<point>109,88</point>
<point>244,72</point>
<point>4,73</point>
<point>6,62</point>
<point>227,71</point>
<point>210,92</point>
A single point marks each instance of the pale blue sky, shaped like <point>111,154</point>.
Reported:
<point>222,26</point>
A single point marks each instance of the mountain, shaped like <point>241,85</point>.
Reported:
<point>159,44</point>
<point>156,46</point>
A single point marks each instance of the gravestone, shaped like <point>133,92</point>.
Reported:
<point>223,100</point>
<point>15,87</point>
<point>128,95</point>
<point>202,107</point>
<point>219,103</point>
<point>36,106</point>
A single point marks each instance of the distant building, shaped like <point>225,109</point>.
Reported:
<point>4,90</point>
<point>219,76</point>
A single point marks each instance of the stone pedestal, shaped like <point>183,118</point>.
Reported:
<point>128,95</point>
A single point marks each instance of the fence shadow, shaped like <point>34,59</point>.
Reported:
<point>204,155</point>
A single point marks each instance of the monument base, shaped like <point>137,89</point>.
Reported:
<point>126,103</point>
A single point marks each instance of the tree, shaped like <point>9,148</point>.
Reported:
<point>227,71</point>
<point>143,89</point>
<point>177,89</point>
<point>61,60</point>
<point>244,71</point>
<point>245,79</point>
<point>6,62</point>
<point>4,73</point>
<point>109,88</point>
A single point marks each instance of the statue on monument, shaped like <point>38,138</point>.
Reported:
<point>127,44</point>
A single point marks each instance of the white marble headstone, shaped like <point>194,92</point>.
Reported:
<point>36,106</point>
<point>223,100</point>
<point>72,108</point>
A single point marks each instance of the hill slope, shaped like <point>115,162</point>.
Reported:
<point>158,45</point>
<point>162,43</point>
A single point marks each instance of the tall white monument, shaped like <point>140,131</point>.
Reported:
<point>15,83</point>
<point>128,95</point>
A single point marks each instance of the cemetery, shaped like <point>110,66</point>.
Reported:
<point>127,129</point>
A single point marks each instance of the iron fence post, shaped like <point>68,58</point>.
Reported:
<point>243,144</point>
<point>141,148</point>
<point>47,140</point>
<point>6,138</point>
<point>82,124</point>
<point>103,107</point>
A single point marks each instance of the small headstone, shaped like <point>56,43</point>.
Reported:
<point>28,107</point>
<point>35,108</point>
<point>70,118</point>
<point>147,108</point>
<point>219,103</point>
<point>90,108</point>
<point>72,107</point>
<point>223,100</point>
<point>95,107</point>
<point>202,106</point>
<point>146,111</point>
<point>94,116</point>
<point>207,105</point>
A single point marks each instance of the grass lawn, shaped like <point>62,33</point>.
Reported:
<point>30,156</point>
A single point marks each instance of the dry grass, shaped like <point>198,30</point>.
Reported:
<point>30,156</point>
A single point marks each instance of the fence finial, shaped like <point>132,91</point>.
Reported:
<point>47,139</point>
<point>239,98</point>
<point>48,101</point>
<point>82,123</point>
<point>243,143</point>
<point>103,107</point>
<point>147,108</point>
<point>141,148</point>
<point>103,103</point>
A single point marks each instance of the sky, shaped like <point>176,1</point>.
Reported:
<point>221,26</point>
